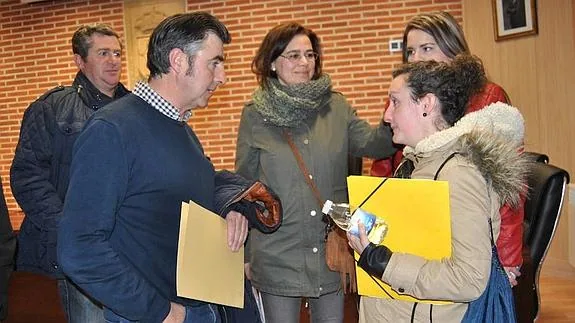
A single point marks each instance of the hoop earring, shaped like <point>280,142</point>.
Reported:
<point>424,114</point>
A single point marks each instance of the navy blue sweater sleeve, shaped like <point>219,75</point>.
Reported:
<point>98,183</point>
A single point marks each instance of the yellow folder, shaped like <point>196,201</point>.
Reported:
<point>418,218</point>
<point>207,270</point>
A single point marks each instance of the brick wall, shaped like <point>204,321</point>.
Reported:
<point>35,55</point>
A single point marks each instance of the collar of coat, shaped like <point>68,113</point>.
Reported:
<point>491,139</point>
<point>91,96</point>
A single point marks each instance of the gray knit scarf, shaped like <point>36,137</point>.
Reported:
<point>289,106</point>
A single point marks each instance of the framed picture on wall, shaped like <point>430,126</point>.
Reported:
<point>514,18</point>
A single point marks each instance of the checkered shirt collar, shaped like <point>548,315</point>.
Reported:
<point>146,93</point>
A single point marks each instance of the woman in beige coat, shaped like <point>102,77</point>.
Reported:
<point>426,113</point>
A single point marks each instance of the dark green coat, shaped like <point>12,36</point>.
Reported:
<point>291,261</point>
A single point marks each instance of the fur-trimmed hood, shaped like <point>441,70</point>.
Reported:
<point>491,139</point>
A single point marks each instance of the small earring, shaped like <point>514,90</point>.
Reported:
<point>273,68</point>
<point>425,114</point>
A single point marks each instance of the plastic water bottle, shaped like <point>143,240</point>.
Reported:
<point>339,213</point>
<point>375,227</point>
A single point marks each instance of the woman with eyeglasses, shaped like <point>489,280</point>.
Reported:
<point>295,102</point>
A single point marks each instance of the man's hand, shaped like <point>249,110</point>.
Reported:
<point>177,314</point>
<point>237,230</point>
<point>358,244</point>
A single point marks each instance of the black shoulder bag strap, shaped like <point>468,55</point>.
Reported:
<point>443,164</point>
<point>434,178</point>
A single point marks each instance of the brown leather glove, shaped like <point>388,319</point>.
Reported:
<point>271,216</point>
<point>253,199</point>
<point>261,206</point>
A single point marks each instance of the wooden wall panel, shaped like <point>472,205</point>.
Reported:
<point>141,17</point>
<point>537,72</point>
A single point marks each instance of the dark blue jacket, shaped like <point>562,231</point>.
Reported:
<point>40,170</point>
<point>7,249</point>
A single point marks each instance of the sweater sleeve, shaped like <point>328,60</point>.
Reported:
<point>98,183</point>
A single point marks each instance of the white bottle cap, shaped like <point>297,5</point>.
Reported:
<point>327,207</point>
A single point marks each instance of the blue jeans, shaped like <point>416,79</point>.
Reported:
<point>200,314</point>
<point>79,307</point>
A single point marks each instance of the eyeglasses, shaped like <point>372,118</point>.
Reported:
<point>295,57</point>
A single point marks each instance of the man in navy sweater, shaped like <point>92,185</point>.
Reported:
<point>134,163</point>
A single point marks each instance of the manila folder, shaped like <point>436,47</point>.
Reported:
<point>207,270</point>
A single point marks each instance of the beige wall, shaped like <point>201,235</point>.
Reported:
<point>538,74</point>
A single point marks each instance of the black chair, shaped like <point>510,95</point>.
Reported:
<point>541,158</point>
<point>547,184</point>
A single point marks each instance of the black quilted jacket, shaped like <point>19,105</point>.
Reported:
<point>7,248</point>
<point>39,174</point>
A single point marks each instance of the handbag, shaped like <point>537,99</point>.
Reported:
<point>496,304</point>
<point>338,256</point>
